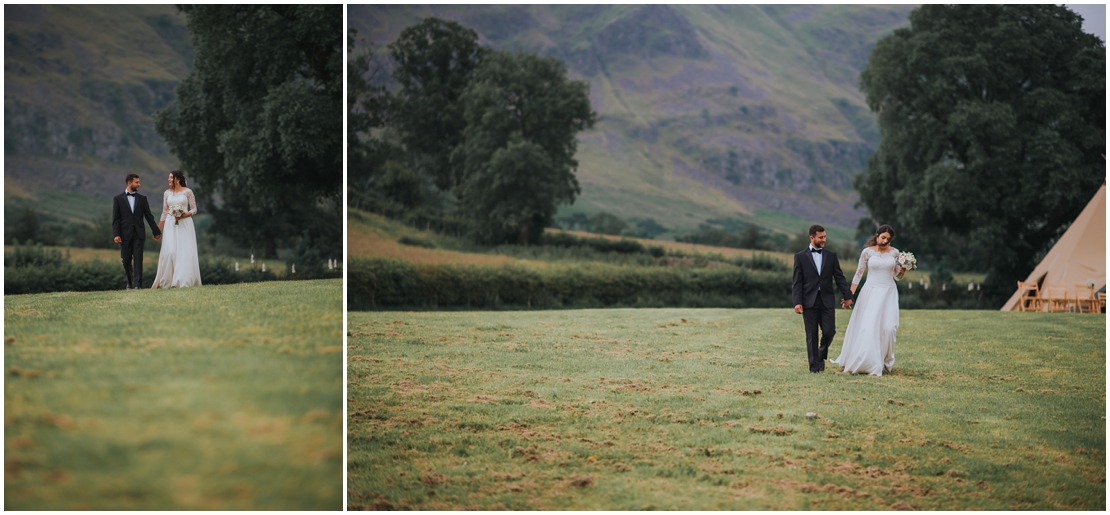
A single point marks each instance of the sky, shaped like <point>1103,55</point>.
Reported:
<point>1094,18</point>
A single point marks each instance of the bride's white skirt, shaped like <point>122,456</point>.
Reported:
<point>869,340</point>
<point>178,265</point>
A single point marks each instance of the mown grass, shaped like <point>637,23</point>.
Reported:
<point>215,397</point>
<point>699,409</point>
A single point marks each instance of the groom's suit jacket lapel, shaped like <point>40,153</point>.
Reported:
<point>125,206</point>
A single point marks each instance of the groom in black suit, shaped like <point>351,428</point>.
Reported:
<point>128,211</point>
<point>814,271</point>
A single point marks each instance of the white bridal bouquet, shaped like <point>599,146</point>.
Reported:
<point>906,260</point>
<point>177,210</point>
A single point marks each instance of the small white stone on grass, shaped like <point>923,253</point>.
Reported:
<point>811,415</point>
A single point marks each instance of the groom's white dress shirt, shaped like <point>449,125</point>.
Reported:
<point>130,200</point>
<point>818,258</point>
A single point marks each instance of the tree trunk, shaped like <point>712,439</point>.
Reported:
<point>522,238</point>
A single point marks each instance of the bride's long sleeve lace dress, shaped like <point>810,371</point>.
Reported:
<point>872,329</point>
<point>178,265</point>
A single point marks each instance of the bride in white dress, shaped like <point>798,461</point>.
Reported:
<point>869,340</point>
<point>178,265</point>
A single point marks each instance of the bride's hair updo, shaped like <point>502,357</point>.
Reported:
<point>874,240</point>
<point>179,177</point>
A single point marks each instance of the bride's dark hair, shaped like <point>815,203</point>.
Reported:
<point>179,177</point>
<point>875,238</point>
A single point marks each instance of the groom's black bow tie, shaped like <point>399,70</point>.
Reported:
<point>816,250</point>
<point>129,194</point>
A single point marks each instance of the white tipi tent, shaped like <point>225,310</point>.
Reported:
<point>1079,256</point>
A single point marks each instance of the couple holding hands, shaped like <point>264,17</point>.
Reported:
<point>178,265</point>
<point>869,340</point>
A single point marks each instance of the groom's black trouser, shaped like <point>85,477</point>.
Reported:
<point>132,250</point>
<point>824,317</point>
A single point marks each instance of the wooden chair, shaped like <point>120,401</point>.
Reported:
<point>1085,301</point>
<point>1055,297</point>
<point>1029,298</point>
<point>1101,300</point>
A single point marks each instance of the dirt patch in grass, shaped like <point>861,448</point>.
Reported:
<point>430,478</point>
<point>580,481</point>
<point>526,433</point>
<point>776,430</point>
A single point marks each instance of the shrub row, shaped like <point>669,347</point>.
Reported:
<point>622,246</point>
<point>384,283</point>
<point>955,297</point>
<point>416,242</point>
<point>32,254</point>
<point>760,261</point>
<point>98,275</point>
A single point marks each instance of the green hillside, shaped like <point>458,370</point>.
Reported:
<point>81,84</point>
<point>740,111</point>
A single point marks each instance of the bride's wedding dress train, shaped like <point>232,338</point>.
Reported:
<point>178,265</point>
<point>869,340</point>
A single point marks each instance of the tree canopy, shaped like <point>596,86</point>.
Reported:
<point>517,154</point>
<point>993,122</point>
<point>475,139</point>
<point>258,122</point>
<point>434,60</point>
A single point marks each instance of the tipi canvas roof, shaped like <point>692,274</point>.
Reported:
<point>1080,255</point>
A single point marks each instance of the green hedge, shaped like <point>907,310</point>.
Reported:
<point>385,283</point>
<point>956,296</point>
<point>81,276</point>
<point>22,276</point>
<point>33,254</point>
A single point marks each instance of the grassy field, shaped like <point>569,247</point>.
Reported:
<point>372,235</point>
<point>216,397</point>
<point>705,409</point>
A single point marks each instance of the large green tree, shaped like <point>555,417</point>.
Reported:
<point>366,101</point>
<point>434,61</point>
<point>993,122</point>
<point>523,116</point>
<point>258,122</point>
<point>372,159</point>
